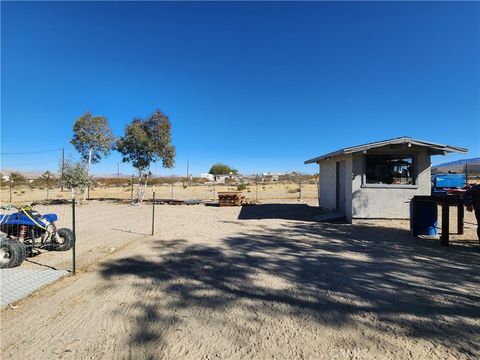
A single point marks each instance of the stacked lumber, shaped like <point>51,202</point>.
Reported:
<point>230,198</point>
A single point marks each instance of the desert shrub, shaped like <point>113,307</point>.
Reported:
<point>293,191</point>
<point>75,176</point>
<point>241,187</point>
<point>42,183</point>
<point>109,182</point>
<point>17,179</point>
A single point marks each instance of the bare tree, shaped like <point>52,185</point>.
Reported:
<point>48,176</point>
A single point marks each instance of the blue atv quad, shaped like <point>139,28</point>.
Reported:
<point>26,231</point>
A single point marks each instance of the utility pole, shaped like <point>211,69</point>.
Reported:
<point>256,187</point>
<point>118,170</point>
<point>187,172</point>
<point>63,165</point>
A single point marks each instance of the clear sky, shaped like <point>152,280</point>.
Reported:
<point>260,86</point>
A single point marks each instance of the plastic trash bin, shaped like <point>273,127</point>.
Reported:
<point>423,218</point>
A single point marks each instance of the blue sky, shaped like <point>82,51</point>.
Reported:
<point>260,86</point>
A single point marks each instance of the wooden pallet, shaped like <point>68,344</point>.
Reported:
<point>230,198</point>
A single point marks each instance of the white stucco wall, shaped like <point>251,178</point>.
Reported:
<point>328,181</point>
<point>388,202</point>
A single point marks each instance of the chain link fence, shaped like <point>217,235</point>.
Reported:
<point>108,216</point>
<point>49,228</point>
<point>45,234</point>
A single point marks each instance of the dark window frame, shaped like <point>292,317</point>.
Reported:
<point>393,156</point>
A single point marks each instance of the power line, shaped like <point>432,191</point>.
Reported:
<point>29,153</point>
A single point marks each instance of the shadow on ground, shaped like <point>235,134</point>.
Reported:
<point>302,212</point>
<point>337,274</point>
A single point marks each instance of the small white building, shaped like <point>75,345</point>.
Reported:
<point>272,176</point>
<point>209,177</point>
<point>222,178</point>
<point>377,180</point>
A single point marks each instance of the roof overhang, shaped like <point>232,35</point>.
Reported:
<point>434,148</point>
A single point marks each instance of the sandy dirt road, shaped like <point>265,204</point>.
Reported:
<point>259,282</point>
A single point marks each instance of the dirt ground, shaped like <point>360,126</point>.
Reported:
<point>260,282</point>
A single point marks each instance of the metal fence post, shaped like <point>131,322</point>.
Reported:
<point>10,199</point>
<point>153,214</point>
<point>74,265</point>
<point>131,189</point>
<point>300,188</point>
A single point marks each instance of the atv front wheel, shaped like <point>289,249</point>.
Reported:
<point>63,240</point>
<point>12,253</point>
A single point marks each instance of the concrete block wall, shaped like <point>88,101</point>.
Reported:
<point>388,202</point>
<point>328,182</point>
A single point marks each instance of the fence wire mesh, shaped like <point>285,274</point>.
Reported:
<point>108,216</point>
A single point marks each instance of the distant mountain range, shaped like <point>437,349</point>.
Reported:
<point>458,166</point>
<point>472,161</point>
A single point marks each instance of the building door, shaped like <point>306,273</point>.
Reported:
<point>341,186</point>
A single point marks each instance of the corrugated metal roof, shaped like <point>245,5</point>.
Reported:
<point>440,148</point>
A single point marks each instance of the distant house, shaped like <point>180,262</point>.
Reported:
<point>377,180</point>
<point>209,177</point>
<point>222,178</point>
<point>271,176</point>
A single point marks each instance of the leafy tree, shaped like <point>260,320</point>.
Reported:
<point>92,138</point>
<point>220,169</point>
<point>145,142</point>
<point>75,177</point>
<point>17,179</point>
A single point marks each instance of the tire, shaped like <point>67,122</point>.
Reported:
<point>64,240</point>
<point>12,253</point>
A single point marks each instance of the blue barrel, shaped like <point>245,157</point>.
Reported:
<point>423,218</point>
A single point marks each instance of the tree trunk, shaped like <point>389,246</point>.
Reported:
<point>88,171</point>
<point>139,191</point>
<point>145,185</point>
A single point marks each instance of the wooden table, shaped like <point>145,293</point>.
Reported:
<point>446,201</point>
